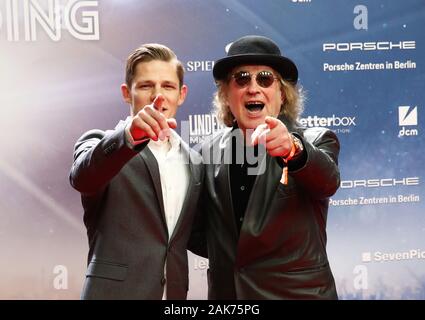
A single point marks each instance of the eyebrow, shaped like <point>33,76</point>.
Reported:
<point>148,81</point>
<point>170,82</point>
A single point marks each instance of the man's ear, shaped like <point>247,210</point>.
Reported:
<point>183,94</point>
<point>125,91</point>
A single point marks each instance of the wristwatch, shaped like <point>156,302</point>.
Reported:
<point>296,149</point>
<point>299,147</point>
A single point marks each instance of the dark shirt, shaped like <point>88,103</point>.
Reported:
<point>242,178</point>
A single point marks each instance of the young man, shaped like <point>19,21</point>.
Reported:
<point>265,223</point>
<point>139,187</point>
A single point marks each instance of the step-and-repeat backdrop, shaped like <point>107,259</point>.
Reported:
<point>361,64</point>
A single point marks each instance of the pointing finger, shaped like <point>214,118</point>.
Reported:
<point>272,122</point>
<point>259,134</point>
<point>158,101</point>
<point>172,123</point>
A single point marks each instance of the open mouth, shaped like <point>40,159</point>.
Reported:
<point>254,106</point>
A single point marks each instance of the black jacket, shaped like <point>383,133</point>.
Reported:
<point>281,250</point>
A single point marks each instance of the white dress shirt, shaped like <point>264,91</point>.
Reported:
<point>174,177</point>
<point>174,181</point>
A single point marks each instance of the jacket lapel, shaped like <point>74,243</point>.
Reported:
<point>150,161</point>
<point>221,179</point>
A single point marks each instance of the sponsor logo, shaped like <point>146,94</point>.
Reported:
<point>359,66</point>
<point>369,46</point>
<point>377,183</point>
<point>361,200</point>
<point>334,121</point>
<point>199,65</point>
<point>407,116</point>
<point>337,124</point>
<point>201,126</point>
<point>79,18</point>
<point>378,256</point>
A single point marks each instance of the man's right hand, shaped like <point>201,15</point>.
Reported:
<point>151,123</point>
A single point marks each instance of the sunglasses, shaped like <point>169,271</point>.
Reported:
<point>264,78</point>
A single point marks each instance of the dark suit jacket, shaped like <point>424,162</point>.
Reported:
<point>281,250</point>
<point>124,215</point>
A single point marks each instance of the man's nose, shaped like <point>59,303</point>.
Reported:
<point>253,86</point>
<point>155,91</point>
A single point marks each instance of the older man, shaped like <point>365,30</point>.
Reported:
<point>265,220</point>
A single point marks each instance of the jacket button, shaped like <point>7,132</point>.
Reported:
<point>163,281</point>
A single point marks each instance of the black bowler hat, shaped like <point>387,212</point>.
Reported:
<point>255,50</point>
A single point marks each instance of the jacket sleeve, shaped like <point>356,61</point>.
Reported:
<point>98,157</point>
<point>320,175</point>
